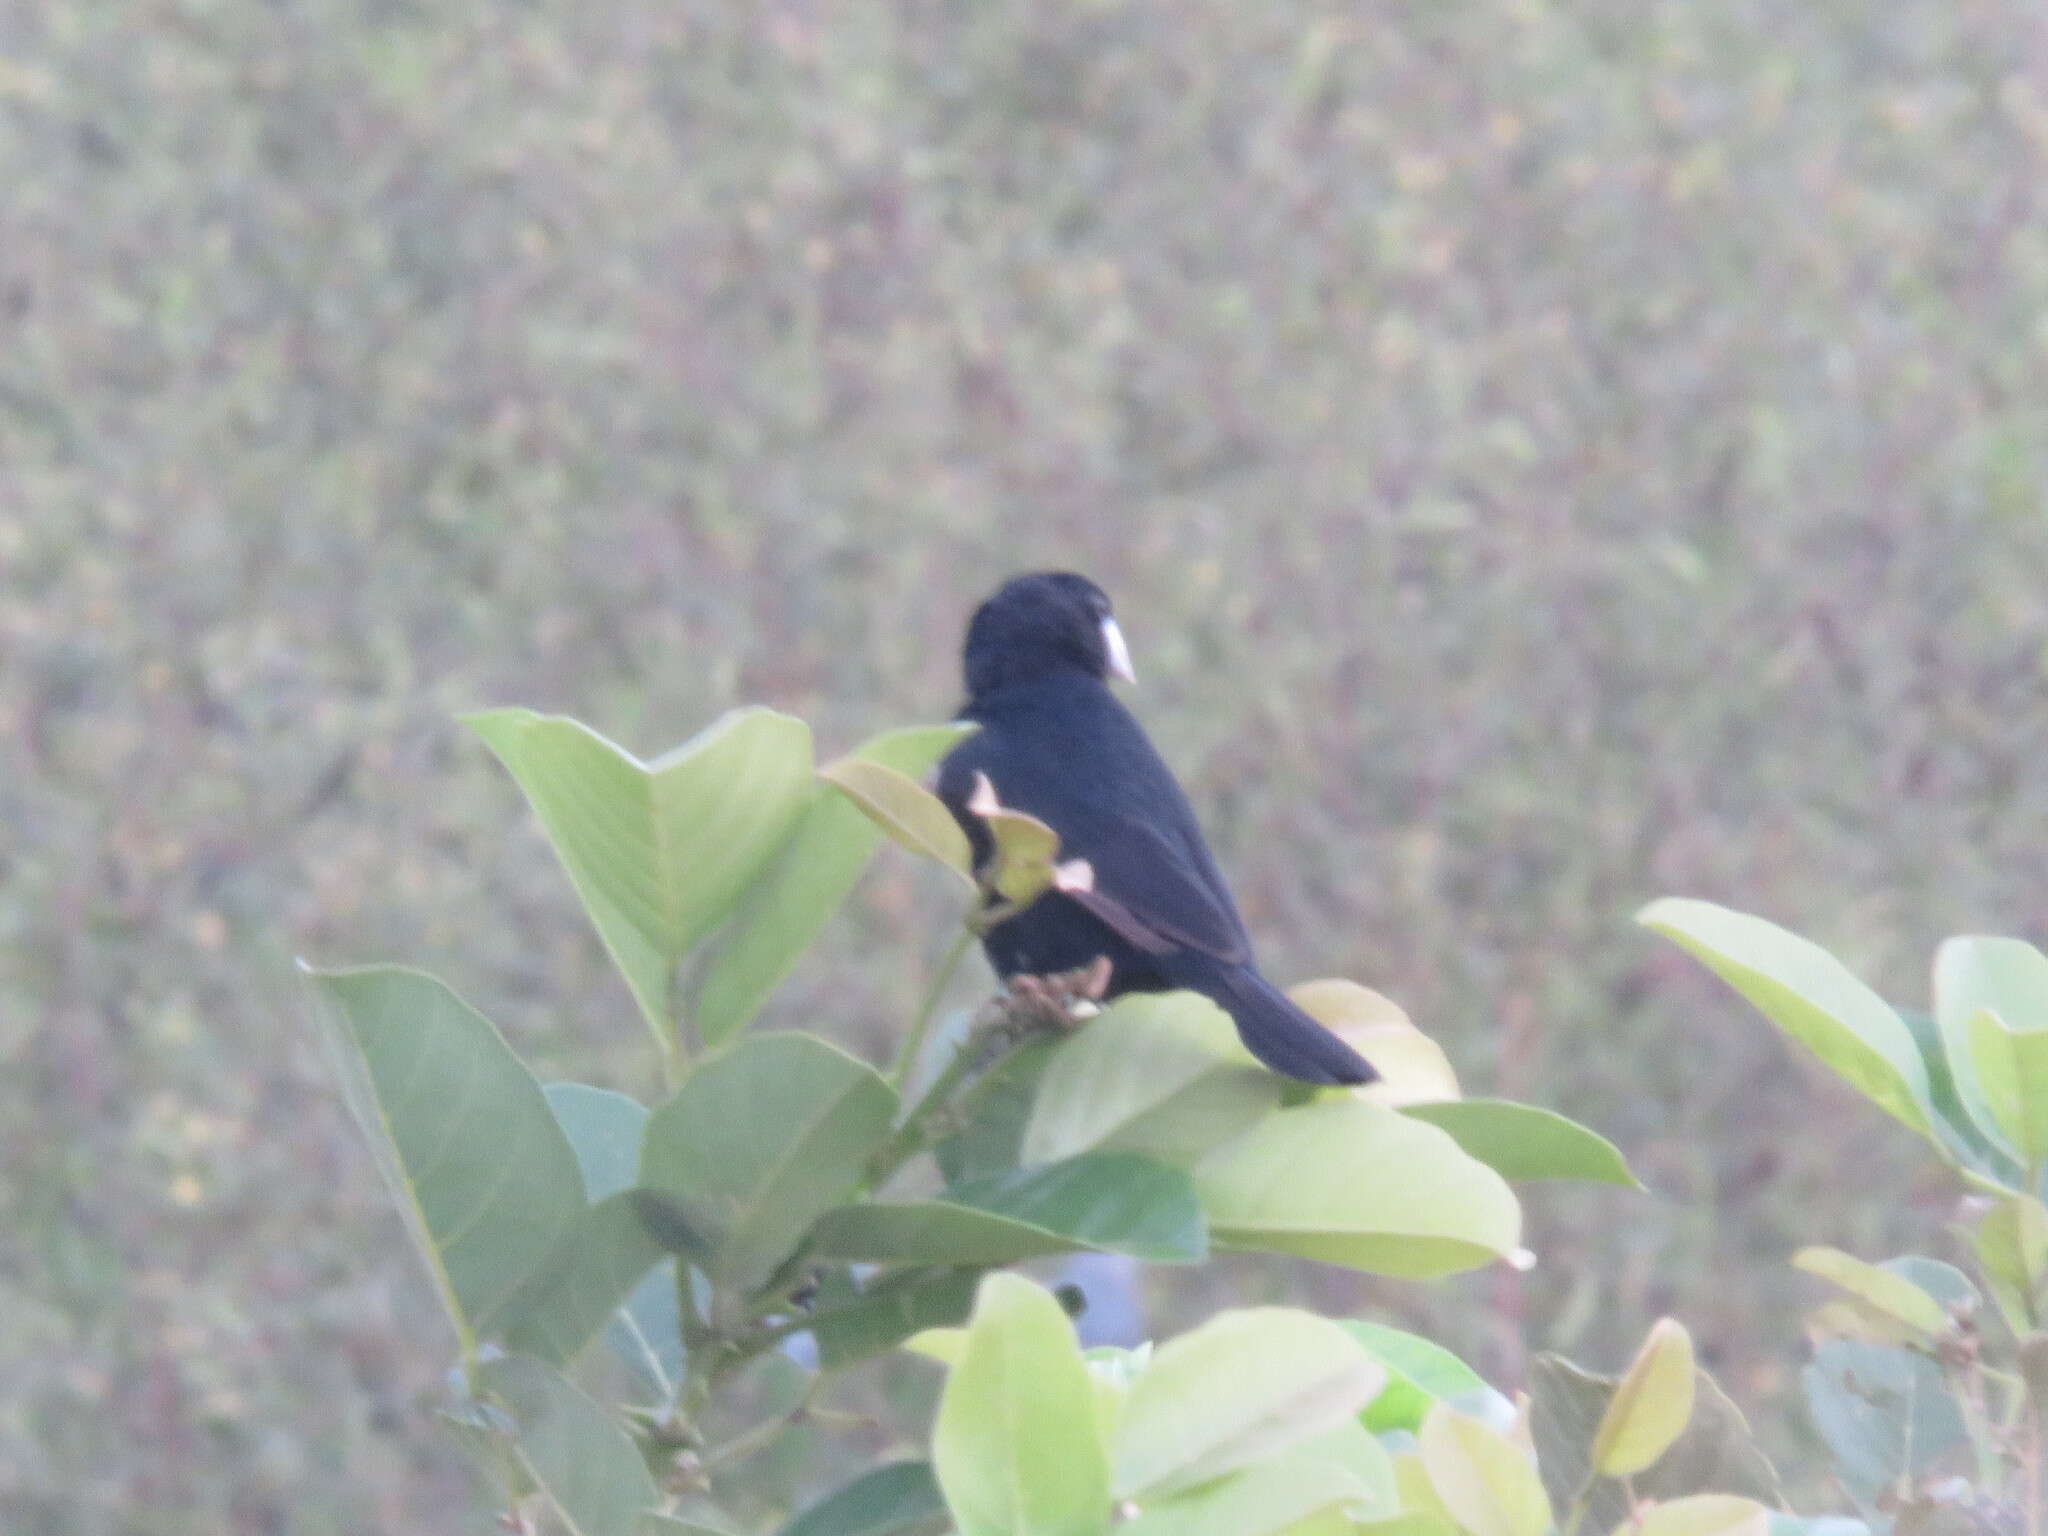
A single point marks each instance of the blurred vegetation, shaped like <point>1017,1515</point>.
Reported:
<point>1546,453</point>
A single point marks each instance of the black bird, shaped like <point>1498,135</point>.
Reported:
<point>1054,742</point>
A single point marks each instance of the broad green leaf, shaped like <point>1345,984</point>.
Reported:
<point>652,1524</point>
<point>1016,1446</point>
<point>658,851</point>
<point>1239,1388</point>
<point>1884,1413</point>
<point>1273,1498</point>
<point>481,1171</point>
<point>1965,1136</point>
<point>1358,1451</point>
<point>758,1142</point>
<point>589,1277</point>
<point>1701,1514</point>
<point>2011,1243</point>
<point>1412,1067</point>
<point>1522,1142</point>
<point>1810,995</point>
<point>818,864</point>
<point>911,814</point>
<point>888,1309</point>
<point>1359,1185</point>
<point>647,1332</point>
<point>1482,1477</point>
<point>571,1449</point>
<point>1110,1202</point>
<point>2011,1069</point>
<point>1419,1374</point>
<point>1651,1406</point>
<point>1716,1453</point>
<point>1890,1295</point>
<point>604,1130</point>
<point>997,1110</point>
<point>1976,975</point>
<point>1162,1074</point>
<point>899,1499</point>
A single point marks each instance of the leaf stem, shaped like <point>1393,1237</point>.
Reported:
<point>913,1043</point>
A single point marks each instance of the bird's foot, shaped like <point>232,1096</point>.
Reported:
<point>1062,1000</point>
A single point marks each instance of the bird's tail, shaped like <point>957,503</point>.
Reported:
<point>1277,1032</point>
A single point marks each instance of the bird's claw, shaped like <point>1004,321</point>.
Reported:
<point>1062,1000</point>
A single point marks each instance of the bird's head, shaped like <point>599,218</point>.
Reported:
<point>1040,625</point>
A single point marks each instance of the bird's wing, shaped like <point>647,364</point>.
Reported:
<point>1151,892</point>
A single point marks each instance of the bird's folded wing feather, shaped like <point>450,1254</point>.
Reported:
<point>1153,894</point>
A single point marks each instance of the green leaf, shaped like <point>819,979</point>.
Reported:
<point>1023,860</point>
<point>583,1284</point>
<point>1482,1477</point>
<point>1885,1413</point>
<point>604,1130</point>
<point>1700,1514</point>
<point>996,1110</point>
<point>2011,1069</point>
<point>580,1291</point>
<point>1651,1405</point>
<point>809,879</point>
<point>1016,1445</point>
<point>1419,1374</point>
<point>1522,1142</point>
<point>1716,1453</point>
<point>571,1449</point>
<point>1891,1295</point>
<point>1968,1138</point>
<point>1162,1074</point>
<point>1272,1498</point>
<point>889,1309</point>
<point>1109,1202</point>
<point>1241,1387</point>
<point>1359,1185</point>
<point>460,1130</point>
<point>658,851</point>
<point>758,1142</point>
<point>652,1524</point>
<point>903,808</point>
<point>1812,997</point>
<point>2005,977</point>
<point>899,1499</point>
<point>2011,1243</point>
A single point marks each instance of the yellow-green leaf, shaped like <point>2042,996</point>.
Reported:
<point>911,814</point>
<point>1651,1405</point>
<point>2011,1243</point>
<point>1482,1477</point>
<point>1412,1067</point>
<point>1891,1295</point>
<point>1700,1514</point>
<point>2011,1069</point>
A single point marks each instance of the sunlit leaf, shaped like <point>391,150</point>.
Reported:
<point>1023,861</point>
<point>2011,1243</point>
<point>1889,1294</point>
<point>1716,1453</point>
<point>2011,1069</point>
<point>1523,1143</point>
<point>818,864</point>
<point>1016,1444</point>
<point>1810,995</point>
<point>2007,978</point>
<point>1110,1202</point>
<point>759,1141</point>
<point>1701,1514</point>
<point>658,851</point>
<point>1290,1375</point>
<point>1412,1067</point>
<point>1360,1185</point>
<point>1482,1477</point>
<point>1651,1406</point>
<point>1162,1074</point>
<point>1273,1498</point>
<point>1419,1374</point>
<point>481,1171</point>
<point>903,808</point>
<point>575,1454</point>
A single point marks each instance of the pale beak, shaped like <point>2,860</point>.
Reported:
<point>1119,653</point>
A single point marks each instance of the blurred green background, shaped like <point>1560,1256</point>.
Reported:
<point>1547,453</point>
